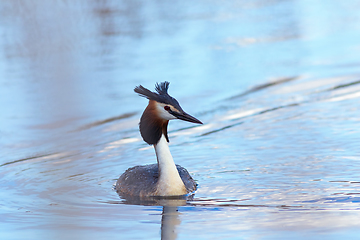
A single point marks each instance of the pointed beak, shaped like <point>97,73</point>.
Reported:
<point>186,117</point>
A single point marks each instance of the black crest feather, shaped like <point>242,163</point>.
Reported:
<point>161,95</point>
<point>162,88</point>
<point>146,93</point>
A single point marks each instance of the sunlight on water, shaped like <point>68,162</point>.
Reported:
<point>276,84</point>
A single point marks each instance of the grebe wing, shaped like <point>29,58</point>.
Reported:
<point>189,182</point>
<point>138,180</point>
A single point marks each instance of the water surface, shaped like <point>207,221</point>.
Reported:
<point>276,84</point>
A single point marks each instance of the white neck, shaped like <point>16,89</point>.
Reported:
<point>169,183</point>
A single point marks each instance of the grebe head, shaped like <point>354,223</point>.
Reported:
<point>162,108</point>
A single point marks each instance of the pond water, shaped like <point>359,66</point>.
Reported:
<point>276,84</point>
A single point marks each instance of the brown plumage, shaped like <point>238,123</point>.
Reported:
<point>151,126</point>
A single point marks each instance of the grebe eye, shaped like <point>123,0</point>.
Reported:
<point>167,108</point>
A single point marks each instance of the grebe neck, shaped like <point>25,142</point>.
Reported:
<point>169,182</point>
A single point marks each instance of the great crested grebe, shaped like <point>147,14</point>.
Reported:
<point>164,178</point>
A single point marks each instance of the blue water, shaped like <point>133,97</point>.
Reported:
<point>276,84</point>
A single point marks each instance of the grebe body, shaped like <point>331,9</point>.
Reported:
<point>164,178</point>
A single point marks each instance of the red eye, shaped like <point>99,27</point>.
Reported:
<point>167,108</point>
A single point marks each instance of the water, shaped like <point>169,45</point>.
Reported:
<point>276,84</point>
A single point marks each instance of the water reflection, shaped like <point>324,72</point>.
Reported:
<point>169,221</point>
<point>170,214</point>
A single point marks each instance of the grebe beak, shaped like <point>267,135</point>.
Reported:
<point>186,117</point>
